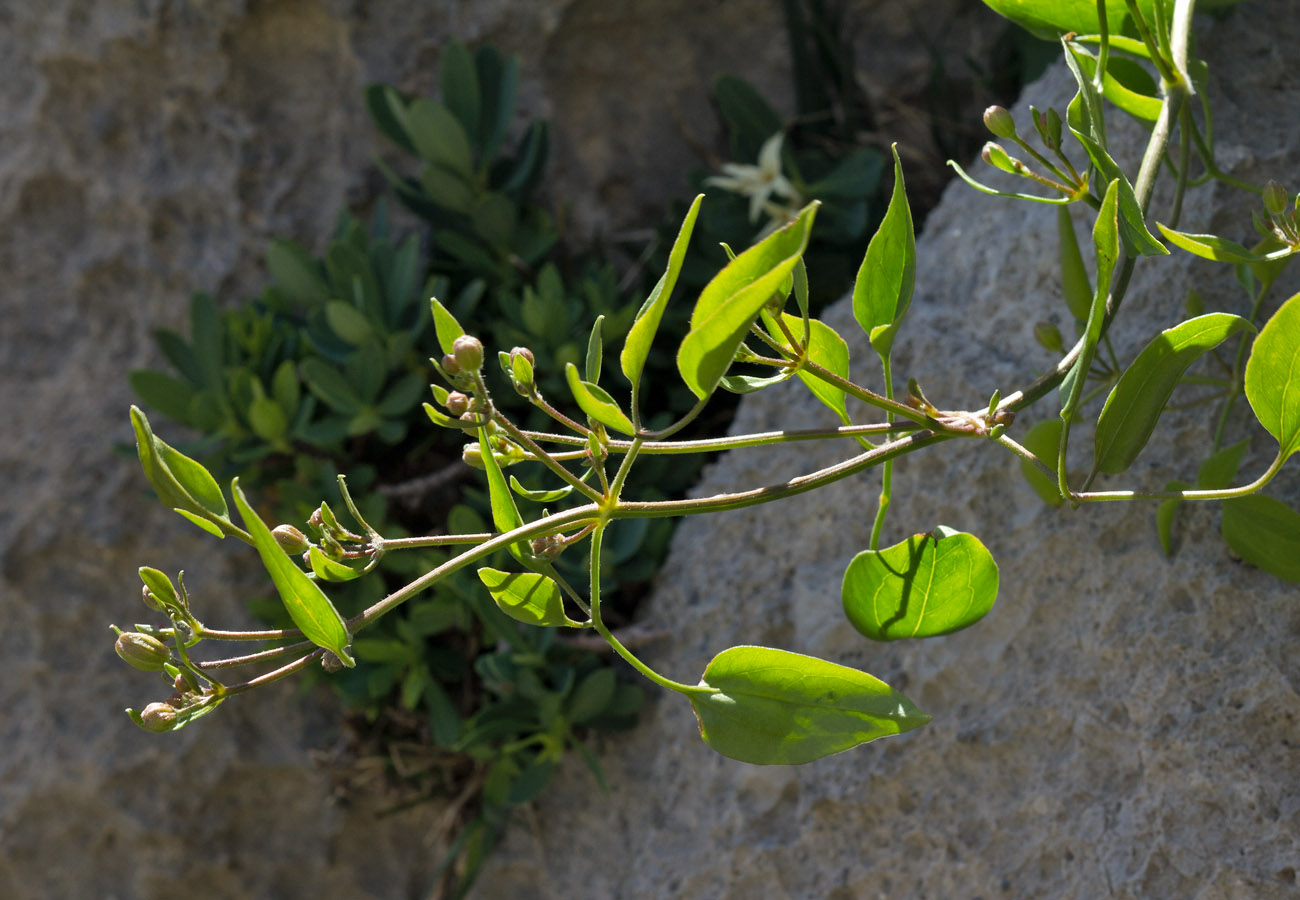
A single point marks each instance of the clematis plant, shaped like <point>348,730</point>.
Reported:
<point>750,327</point>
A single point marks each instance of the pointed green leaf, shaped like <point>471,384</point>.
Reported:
<point>460,88</point>
<point>1273,376</point>
<point>505,515</point>
<point>1105,238</point>
<point>1208,246</point>
<point>928,585</point>
<point>1219,471</point>
<point>748,384</point>
<point>1075,284</point>
<point>1133,231</point>
<point>296,272</point>
<point>593,400</point>
<point>883,289</point>
<point>159,584</point>
<point>180,482</point>
<point>592,695</point>
<point>527,597</point>
<point>826,349</point>
<point>730,302</point>
<point>1049,19</point>
<point>773,707</point>
<point>445,325</point>
<point>595,351</point>
<point>327,569</point>
<point>305,602</point>
<point>1264,532</point>
<point>1044,441</point>
<point>1140,395</point>
<point>544,496</point>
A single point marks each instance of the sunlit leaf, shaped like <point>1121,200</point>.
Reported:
<point>1273,376</point>
<point>305,602</point>
<point>826,349</point>
<point>180,482</point>
<point>1140,395</point>
<point>925,586</point>
<point>883,289</point>
<point>596,402</point>
<point>1105,238</point>
<point>527,597</point>
<point>328,569</point>
<point>1075,284</point>
<point>1044,441</point>
<point>731,301</point>
<point>1208,246</point>
<point>773,707</point>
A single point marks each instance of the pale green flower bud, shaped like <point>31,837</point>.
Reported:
<point>999,121</point>
<point>1049,336</point>
<point>1275,198</point>
<point>467,351</point>
<point>996,156</point>
<point>158,717</point>
<point>142,651</point>
<point>290,539</point>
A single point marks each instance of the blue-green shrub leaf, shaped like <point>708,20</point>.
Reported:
<point>527,597</point>
<point>327,383</point>
<point>593,400</point>
<point>883,289</point>
<point>458,79</point>
<point>296,272</point>
<point>169,395</point>
<point>1273,376</point>
<point>1220,470</point>
<point>1264,532</point>
<point>1140,395</point>
<point>773,707</point>
<point>731,301</point>
<point>1165,512</point>
<point>925,586</point>
<point>311,611</point>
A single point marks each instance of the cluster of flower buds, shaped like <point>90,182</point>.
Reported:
<point>548,546</point>
<point>1002,125</point>
<point>466,357</point>
<point>1283,223</point>
<point>518,366</point>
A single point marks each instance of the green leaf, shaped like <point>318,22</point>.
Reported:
<point>1264,532</point>
<point>595,351</point>
<point>346,322</point>
<point>327,383</point>
<point>1273,376</point>
<point>159,584</point>
<point>593,400</point>
<point>170,396</point>
<point>748,384</point>
<point>883,289</point>
<point>1219,471</point>
<point>296,272</point>
<point>773,707</point>
<point>505,515</point>
<point>311,611</point>
<point>1140,395</point>
<point>928,585</point>
<point>1133,230</point>
<point>592,695</point>
<point>826,349</point>
<point>180,482</point>
<point>731,301</point>
<point>266,418</point>
<point>460,88</point>
<point>636,346</point>
<point>1142,106</point>
<point>438,136</point>
<point>527,597</point>
<point>445,325</point>
<point>1044,441</point>
<point>328,569</point>
<point>1165,511</point>
<point>543,496</point>
<point>1075,284</point>
<point>1049,19</point>
<point>1207,246</point>
<point>1105,238</point>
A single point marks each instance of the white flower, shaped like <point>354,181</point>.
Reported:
<point>759,183</point>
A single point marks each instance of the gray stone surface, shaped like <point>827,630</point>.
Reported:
<point>1120,725</point>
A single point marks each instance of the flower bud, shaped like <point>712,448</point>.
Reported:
<point>149,599</point>
<point>524,352</point>
<point>158,717</point>
<point>330,662</point>
<point>997,157</point>
<point>1049,336</point>
<point>457,403</point>
<point>999,121</point>
<point>472,455</point>
<point>142,651</point>
<point>450,366</point>
<point>290,539</point>
<point>1275,198</point>
<point>467,350</point>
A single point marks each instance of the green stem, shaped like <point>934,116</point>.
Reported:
<point>433,540</point>
<point>283,671</point>
<point>596,536</point>
<point>887,469</point>
<point>1221,494</point>
<point>542,456</point>
<point>756,439</point>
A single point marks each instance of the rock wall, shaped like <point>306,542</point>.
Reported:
<point>149,149</point>
<point>1120,725</point>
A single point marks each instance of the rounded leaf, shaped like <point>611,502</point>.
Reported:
<point>1273,376</point>
<point>928,585</point>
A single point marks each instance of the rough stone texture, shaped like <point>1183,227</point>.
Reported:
<point>148,149</point>
<point>1119,726</point>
